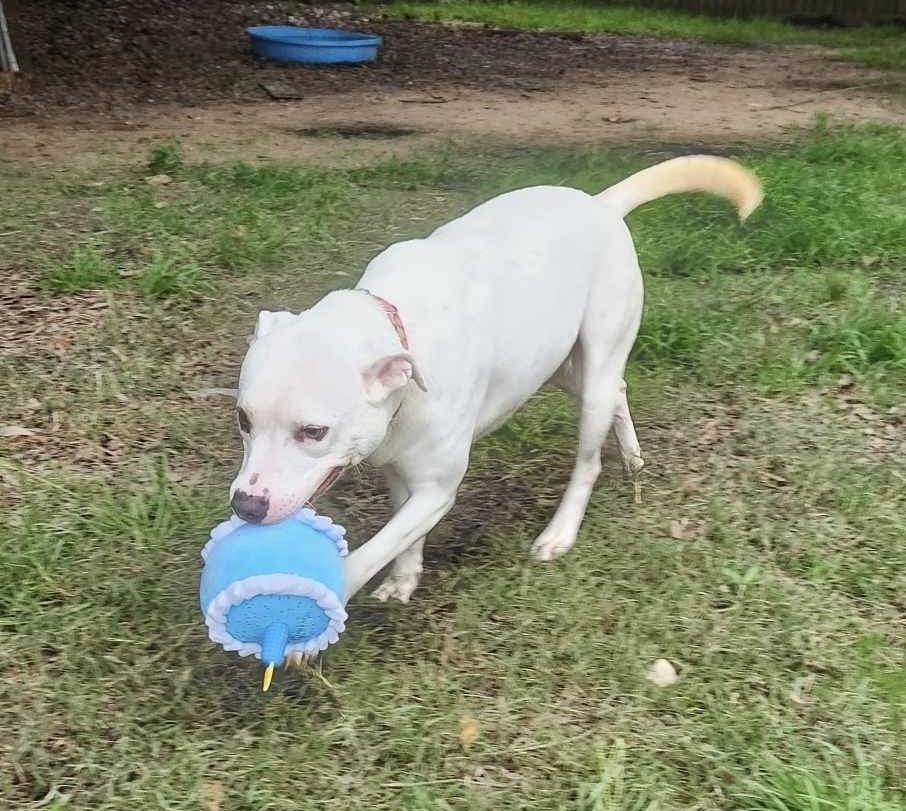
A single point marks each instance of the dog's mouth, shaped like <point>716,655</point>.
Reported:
<point>329,480</point>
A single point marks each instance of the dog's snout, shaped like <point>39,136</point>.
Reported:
<point>248,507</point>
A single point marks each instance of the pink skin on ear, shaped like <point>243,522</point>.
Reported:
<point>388,374</point>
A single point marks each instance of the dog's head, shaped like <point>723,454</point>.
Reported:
<point>308,406</point>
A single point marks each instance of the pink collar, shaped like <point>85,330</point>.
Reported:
<point>394,315</point>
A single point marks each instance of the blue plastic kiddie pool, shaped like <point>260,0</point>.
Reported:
<point>317,46</point>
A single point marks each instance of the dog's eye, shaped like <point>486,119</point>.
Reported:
<point>245,424</point>
<point>311,433</point>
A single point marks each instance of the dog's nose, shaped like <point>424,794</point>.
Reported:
<point>248,507</point>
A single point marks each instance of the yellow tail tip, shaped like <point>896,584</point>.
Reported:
<point>268,675</point>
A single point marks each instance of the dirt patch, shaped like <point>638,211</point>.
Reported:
<point>747,99</point>
<point>99,94</point>
<point>34,322</point>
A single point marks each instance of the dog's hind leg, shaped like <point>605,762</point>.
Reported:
<point>627,440</point>
<point>596,369</point>
<point>569,378</point>
<point>597,410</point>
<point>406,569</point>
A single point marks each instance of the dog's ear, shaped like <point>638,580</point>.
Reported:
<point>269,320</point>
<point>386,375</point>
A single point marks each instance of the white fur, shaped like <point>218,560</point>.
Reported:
<point>536,285</point>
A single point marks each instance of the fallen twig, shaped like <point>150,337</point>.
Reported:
<point>812,99</point>
<point>432,100</point>
<point>214,392</point>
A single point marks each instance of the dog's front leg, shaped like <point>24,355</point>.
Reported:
<point>406,570</point>
<point>419,515</point>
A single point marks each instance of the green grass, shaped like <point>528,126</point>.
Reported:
<point>878,46</point>
<point>159,277</point>
<point>765,386</point>
<point>786,788</point>
<point>165,158</point>
<point>83,269</point>
<point>239,218</point>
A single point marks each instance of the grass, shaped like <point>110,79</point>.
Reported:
<point>882,47</point>
<point>785,788</point>
<point>766,386</point>
<point>83,269</point>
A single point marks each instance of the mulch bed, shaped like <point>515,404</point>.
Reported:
<point>108,56</point>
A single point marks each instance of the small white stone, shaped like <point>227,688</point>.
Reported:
<point>662,673</point>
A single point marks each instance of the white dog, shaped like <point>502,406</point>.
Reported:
<point>440,342</point>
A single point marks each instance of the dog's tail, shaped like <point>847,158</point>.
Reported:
<point>707,173</point>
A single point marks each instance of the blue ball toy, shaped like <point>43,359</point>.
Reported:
<point>273,590</point>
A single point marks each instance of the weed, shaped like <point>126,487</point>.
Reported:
<point>872,338</point>
<point>85,269</point>
<point>818,787</point>
<point>168,277</point>
<point>165,159</point>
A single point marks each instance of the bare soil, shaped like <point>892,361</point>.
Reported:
<point>105,81</point>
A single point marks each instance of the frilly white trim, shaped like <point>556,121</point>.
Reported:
<point>321,523</point>
<point>216,615</point>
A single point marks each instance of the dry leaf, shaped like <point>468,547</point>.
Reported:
<point>812,356</point>
<point>7,478</point>
<point>683,529</point>
<point>709,433</point>
<point>60,343</point>
<point>213,795</point>
<point>15,431</point>
<point>692,485</point>
<point>802,689</point>
<point>188,478</point>
<point>213,392</point>
<point>468,730</point>
<point>662,673</point>
<point>158,180</point>
<point>773,480</point>
<point>863,412</point>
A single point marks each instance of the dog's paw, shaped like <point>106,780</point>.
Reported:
<point>298,661</point>
<point>397,587</point>
<point>633,465</point>
<point>551,545</point>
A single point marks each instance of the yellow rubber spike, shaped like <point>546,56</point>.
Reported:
<point>268,675</point>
